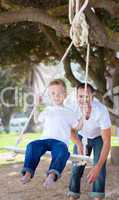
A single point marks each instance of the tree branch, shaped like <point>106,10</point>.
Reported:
<point>52,39</point>
<point>34,15</point>
<point>98,34</point>
<point>110,6</point>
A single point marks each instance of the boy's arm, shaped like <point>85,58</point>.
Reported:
<point>75,139</point>
<point>79,124</point>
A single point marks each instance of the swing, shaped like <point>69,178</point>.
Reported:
<point>79,38</point>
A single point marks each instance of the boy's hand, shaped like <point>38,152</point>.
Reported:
<point>75,139</point>
<point>80,124</point>
<point>80,148</point>
<point>40,99</point>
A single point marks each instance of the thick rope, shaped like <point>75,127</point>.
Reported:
<point>79,35</point>
<point>85,140</point>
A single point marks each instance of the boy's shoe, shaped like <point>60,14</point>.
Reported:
<point>49,182</point>
<point>72,198</point>
<point>25,179</point>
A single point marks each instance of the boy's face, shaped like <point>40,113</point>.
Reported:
<point>57,94</point>
<point>81,96</point>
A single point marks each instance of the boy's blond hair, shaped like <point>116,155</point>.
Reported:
<point>58,82</point>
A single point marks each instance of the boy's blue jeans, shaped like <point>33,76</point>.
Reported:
<point>98,188</point>
<point>34,151</point>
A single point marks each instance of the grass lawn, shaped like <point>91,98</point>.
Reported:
<point>115,141</point>
<point>11,138</point>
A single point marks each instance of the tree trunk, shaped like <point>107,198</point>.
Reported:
<point>115,149</point>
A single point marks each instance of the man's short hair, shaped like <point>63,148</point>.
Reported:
<point>82,85</point>
<point>57,82</point>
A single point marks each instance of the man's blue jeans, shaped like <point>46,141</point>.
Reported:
<point>34,151</point>
<point>98,189</point>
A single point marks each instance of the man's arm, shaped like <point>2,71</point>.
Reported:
<point>75,139</point>
<point>106,136</point>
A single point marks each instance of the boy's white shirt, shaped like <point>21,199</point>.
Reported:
<point>57,123</point>
<point>99,120</point>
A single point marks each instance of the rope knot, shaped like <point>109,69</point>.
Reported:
<point>79,28</point>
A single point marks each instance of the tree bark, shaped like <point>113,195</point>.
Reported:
<point>110,6</point>
<point>98,35</point>
<point>35,15</point>
<point>115,150</point>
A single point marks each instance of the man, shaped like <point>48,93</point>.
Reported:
<point>98,133</point>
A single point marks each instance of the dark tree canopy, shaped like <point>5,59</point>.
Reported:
<point>35,31</point>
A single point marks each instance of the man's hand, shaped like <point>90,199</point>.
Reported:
<point>93,174</point>
<point>106,136</point>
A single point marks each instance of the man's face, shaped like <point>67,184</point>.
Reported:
<point>57,94</point>
<point>81,99</point>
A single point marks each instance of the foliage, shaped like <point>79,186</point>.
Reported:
<point>42,36</point>
<point>8,79</point>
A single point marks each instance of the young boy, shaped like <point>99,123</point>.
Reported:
<point>58,121</point>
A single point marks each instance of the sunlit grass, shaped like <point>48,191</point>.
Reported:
<point>10,140</point>
<point>115,141</point>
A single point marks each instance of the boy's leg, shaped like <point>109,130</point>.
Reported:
<point>34,151</point>
<point>98,190</point>
<point>60,155</point>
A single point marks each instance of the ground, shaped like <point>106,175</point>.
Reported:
<point>12,189</point>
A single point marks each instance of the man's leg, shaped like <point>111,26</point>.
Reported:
<point>76,175</point>
<point>75,181</point>
<point>98,190</point>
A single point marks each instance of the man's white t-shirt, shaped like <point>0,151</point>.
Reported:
<point>99,120</point>
<point>57,123</point>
